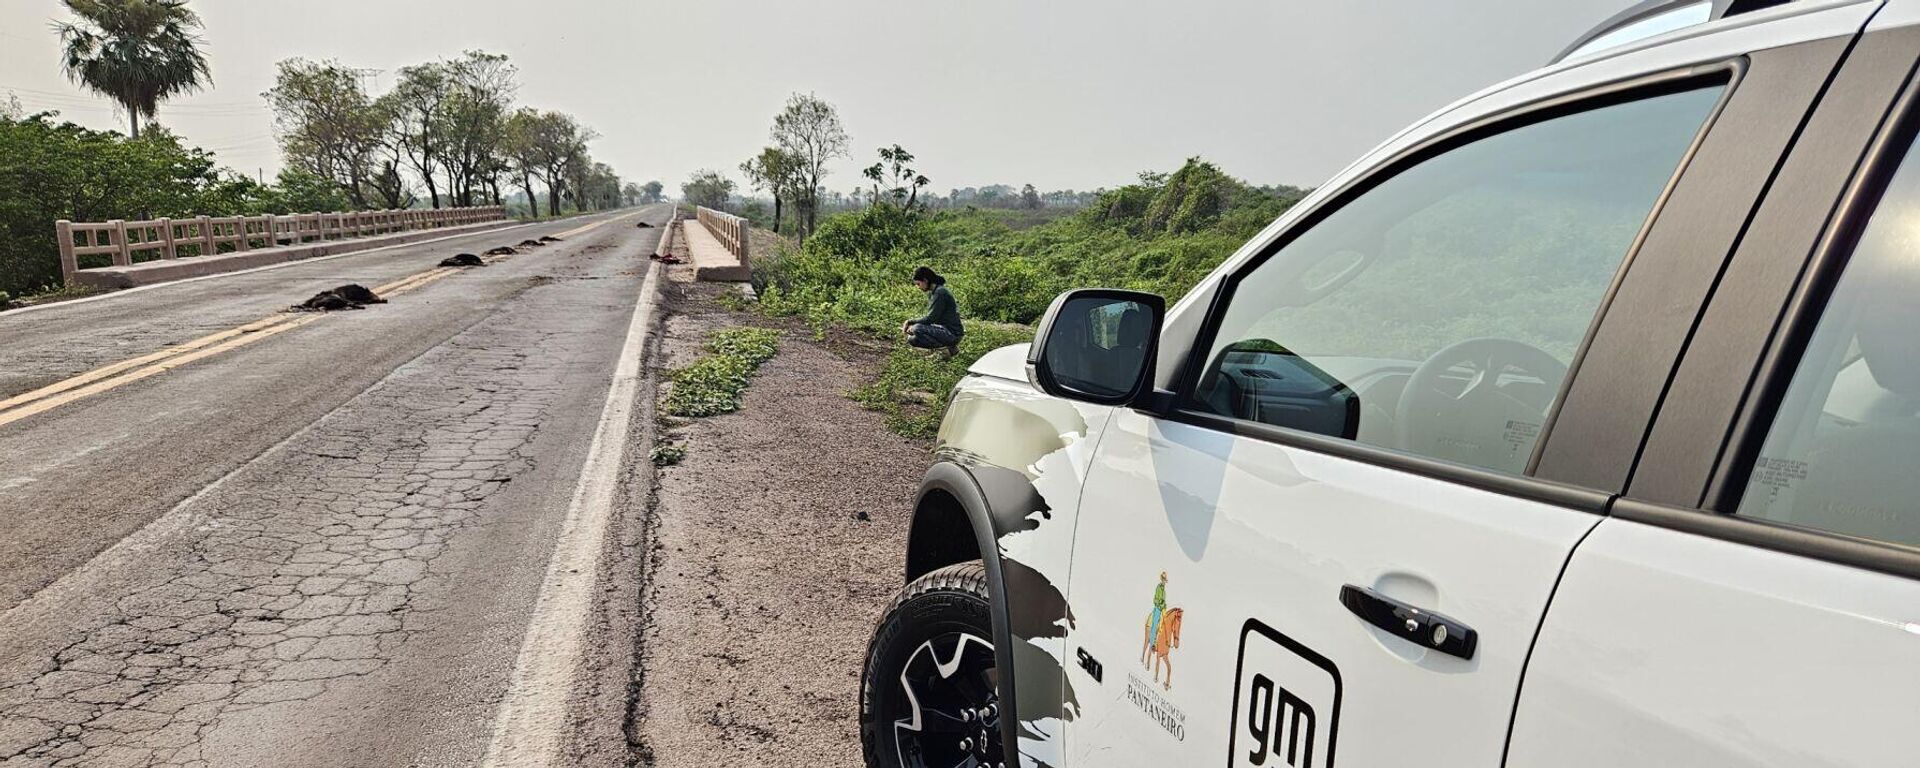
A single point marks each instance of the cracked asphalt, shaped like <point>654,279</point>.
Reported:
<point>321,549</point>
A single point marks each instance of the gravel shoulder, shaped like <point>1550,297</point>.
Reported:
<point>771,549</point>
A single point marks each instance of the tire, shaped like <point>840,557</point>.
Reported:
<point>938,619</point>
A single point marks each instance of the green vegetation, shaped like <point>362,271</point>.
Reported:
<point>1162,234</point>
<point>54,170</point>
<point>451,126</point>
<point>713,384</point>
<point>668,454</point>
<point>136,52</point>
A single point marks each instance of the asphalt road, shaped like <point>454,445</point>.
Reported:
<point>321,546</point>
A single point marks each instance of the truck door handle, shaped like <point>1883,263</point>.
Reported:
<point>1415,625</point>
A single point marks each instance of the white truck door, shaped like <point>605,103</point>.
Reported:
<point>1332,551</point>
<point>1767,612</point>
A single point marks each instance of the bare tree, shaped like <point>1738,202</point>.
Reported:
<point>809,129</point>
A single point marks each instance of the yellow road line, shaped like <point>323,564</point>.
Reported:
<point>402,283</point>
<point>595,225</point>
<point>430,277</point>
<point>158,368</point>
<point>109,370</point>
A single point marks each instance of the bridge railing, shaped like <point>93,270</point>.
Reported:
<point>732,231</point>
<point>169,238</point>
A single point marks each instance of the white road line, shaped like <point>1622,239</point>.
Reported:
<point>532,718</point>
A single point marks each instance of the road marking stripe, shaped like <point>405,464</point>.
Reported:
<point>532,718</point>
<point>405,283</point>
<point>109,370</point>
<point>151,370</point>
<point>410,287</point>
<point>596,225</point>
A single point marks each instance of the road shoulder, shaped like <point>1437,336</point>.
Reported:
<point>772,547</point>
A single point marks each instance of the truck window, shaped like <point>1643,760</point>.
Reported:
<point>1436,313</point>
<point>1840,454</point>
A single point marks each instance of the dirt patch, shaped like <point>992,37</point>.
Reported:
<point>775,542</point>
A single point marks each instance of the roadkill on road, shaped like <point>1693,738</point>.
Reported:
<point>349,296</point>
<point>504,250</point>
<point>463,260</point>
<point>549,239</point>
<point>531,244</point>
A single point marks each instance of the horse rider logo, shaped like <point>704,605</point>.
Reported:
<point>1162,635</point>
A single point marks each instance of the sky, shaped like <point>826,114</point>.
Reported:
<point>1062,94</point>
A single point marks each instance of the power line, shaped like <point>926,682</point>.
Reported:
<point>81,99</point>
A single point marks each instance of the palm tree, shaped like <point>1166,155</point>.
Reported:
<point>136,52</point>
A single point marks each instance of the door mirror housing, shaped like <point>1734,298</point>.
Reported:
<point>1098,345</point>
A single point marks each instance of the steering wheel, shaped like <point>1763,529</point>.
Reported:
<point>1482,424</point>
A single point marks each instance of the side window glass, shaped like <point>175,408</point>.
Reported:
<point>1843,454</point>
<point>1436,313</point>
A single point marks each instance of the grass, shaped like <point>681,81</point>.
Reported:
<point>713,384</point>
<point>1004,267</point>
<point>913,386</point>
<point>668,454</point>
<point>51,293</point>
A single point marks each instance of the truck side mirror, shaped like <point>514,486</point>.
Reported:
<point>1098,345</point>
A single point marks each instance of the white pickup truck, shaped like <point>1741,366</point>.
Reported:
<point>1576,426</point>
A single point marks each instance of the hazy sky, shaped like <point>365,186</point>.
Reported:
<point>1057,93</point>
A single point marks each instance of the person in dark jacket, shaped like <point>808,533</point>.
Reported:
<point>940,327</point>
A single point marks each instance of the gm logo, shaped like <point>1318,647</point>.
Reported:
<point>1286,708</point>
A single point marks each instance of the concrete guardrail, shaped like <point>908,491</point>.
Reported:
<point>208,236</point>
<point>732,231</point>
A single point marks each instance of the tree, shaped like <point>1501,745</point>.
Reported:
<point>776,172</point>
<point>631,193</point>
<point>559,141</point>
<point>707,189</point>
<point>902,183</point>
<point>651,191</point>
<point>51,170</point>
<point>327,125</point>
<point>418,106</point>
<point>136,52</point>
<point>481,88</point>
<point>523,152</point>
<point>810,130</point>
<point>579,172</point>
<point>1030,198</point>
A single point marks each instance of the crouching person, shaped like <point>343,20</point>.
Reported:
<point>940,328</point>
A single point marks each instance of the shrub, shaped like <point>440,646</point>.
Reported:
<point>714,383</point>
<point>1163,235</point>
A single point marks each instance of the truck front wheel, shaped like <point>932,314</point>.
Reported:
<point>929,695</point>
